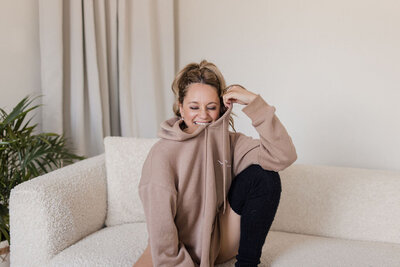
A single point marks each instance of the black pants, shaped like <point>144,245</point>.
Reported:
<point>254,195</point>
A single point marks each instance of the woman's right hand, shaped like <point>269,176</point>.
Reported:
<point>237,94</point>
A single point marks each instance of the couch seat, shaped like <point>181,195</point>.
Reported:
<point>122,245</point>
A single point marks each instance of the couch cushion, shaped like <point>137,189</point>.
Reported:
<point>288,250</point>
<point>119,245</point>
<point>122,245</point>
<point>349,203</point>
<point>124,158</point>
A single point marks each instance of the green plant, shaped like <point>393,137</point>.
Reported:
<point>25,155</point>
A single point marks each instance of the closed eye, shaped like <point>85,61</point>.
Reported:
<point>210,108</point>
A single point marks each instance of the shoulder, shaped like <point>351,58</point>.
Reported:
<point>163,149</point>
<point>158,154</point>
<point>158,168</point>
<point>240,141</point>
<point>236,137</point>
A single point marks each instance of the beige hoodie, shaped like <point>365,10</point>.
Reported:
<point>186,178</point>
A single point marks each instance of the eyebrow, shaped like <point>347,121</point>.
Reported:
<point>198,102</point>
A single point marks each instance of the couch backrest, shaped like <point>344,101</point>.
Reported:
<point>124,158</point>
<point>348,203</point>
<point>329,201</point>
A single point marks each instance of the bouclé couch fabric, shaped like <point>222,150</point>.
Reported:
<point>80,216</point>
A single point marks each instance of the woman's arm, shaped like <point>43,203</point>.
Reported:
<point>160,208</point>
<point>159,203</point>
<point>274,150</point>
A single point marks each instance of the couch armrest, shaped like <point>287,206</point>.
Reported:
<point>53,211</point>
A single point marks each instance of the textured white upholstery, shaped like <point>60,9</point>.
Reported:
<point>52,212</point>
<point>58,219</point>
<point>350,203</point>
<point>119,245</point>
<point>293,250</point>
<point>123,244</point>
<point>124,161</point>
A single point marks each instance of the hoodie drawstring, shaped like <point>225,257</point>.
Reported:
<point>224,163</point>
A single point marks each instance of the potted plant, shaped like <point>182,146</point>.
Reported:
<point>23,156</point>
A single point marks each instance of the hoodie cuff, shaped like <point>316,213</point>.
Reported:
<point>258,108</point>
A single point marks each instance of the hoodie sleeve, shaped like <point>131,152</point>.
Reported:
<point>273,151</point>
<point>159,204</point>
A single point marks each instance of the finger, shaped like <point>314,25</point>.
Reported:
<point>227,101</point>
<point>228,88</point>
<point>236,87</point>
<point>231,95</point>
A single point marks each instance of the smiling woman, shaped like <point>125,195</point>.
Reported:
<point>198,165</point>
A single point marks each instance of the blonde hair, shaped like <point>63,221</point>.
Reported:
<point>206,73</point>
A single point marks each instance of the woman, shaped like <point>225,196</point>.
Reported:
<point>187,176</point>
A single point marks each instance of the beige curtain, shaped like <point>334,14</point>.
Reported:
<point>106,68</point>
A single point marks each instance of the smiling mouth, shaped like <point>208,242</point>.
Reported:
<point>202,123</point>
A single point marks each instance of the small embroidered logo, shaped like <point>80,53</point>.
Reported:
<point>227,165</point>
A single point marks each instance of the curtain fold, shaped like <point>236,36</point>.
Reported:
<point>106,68</point>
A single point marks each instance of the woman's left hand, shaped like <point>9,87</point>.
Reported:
<point>237,94</point>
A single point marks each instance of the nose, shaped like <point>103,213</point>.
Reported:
<point>203,113</point>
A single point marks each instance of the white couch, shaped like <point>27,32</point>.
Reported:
<point>87,215</point>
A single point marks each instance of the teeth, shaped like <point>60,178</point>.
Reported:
<point>202,123</point>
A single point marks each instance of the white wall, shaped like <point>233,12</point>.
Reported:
<point>331,68</point>
<point>19,53</point>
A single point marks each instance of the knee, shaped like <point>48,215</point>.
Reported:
<point>254,183</point>
<point>263,181</point>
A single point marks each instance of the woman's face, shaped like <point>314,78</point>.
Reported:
<point>200,106</point>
